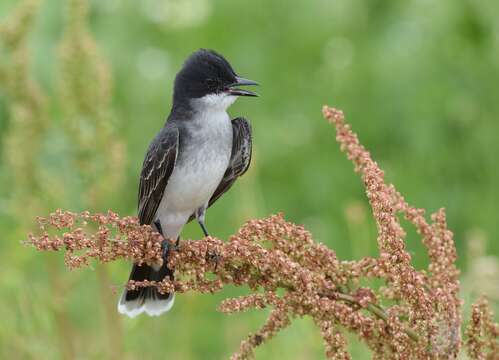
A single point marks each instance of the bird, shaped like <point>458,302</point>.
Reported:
<point>194,159</point>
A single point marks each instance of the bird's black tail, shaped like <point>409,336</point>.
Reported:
<point>146,299</point>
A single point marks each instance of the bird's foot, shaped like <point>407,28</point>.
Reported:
<point>165,249</point>
<point>213,257</point>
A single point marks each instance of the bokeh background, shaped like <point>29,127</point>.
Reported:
<point>85,85</point>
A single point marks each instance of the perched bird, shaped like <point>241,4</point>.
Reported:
<point>192,161</point>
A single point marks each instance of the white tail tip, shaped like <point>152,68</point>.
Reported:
<point>151,306</point>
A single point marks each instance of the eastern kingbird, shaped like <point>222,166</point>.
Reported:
<point>195,159</point>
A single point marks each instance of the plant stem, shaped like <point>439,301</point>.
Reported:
<point>376,310</point>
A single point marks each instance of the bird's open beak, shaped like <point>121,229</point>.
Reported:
<point>232,88</point>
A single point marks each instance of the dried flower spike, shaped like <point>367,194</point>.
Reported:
<point>415,315</point>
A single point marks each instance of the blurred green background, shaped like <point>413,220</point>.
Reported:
<point>85,86</point>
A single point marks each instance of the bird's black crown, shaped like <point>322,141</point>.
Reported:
<point>204,72</point>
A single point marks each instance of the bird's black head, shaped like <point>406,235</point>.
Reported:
<point>207,75</point>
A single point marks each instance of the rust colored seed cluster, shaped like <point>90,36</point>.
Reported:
<point>431,297</point>
<point>482,333</point>
<point>415,315</point>
<point>105,237</point>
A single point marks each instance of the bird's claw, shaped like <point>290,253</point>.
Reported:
<point>213,257</point>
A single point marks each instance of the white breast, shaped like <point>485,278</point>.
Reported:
<point>198,171</point>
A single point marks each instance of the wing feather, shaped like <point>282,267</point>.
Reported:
<point>240,158</point>
<point>156,170</point>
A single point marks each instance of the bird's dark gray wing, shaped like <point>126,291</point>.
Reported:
<point>240,158</point>
<point>156,170</point>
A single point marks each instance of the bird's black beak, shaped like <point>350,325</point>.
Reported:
<point>232,88</point>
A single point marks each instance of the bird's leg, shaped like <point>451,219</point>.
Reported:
<point>203,227</point>
<point>200,216</point>
<point>165,244</point>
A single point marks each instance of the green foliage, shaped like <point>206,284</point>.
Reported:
<point>418,80</point>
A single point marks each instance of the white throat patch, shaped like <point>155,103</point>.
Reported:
<point>219,101</point>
